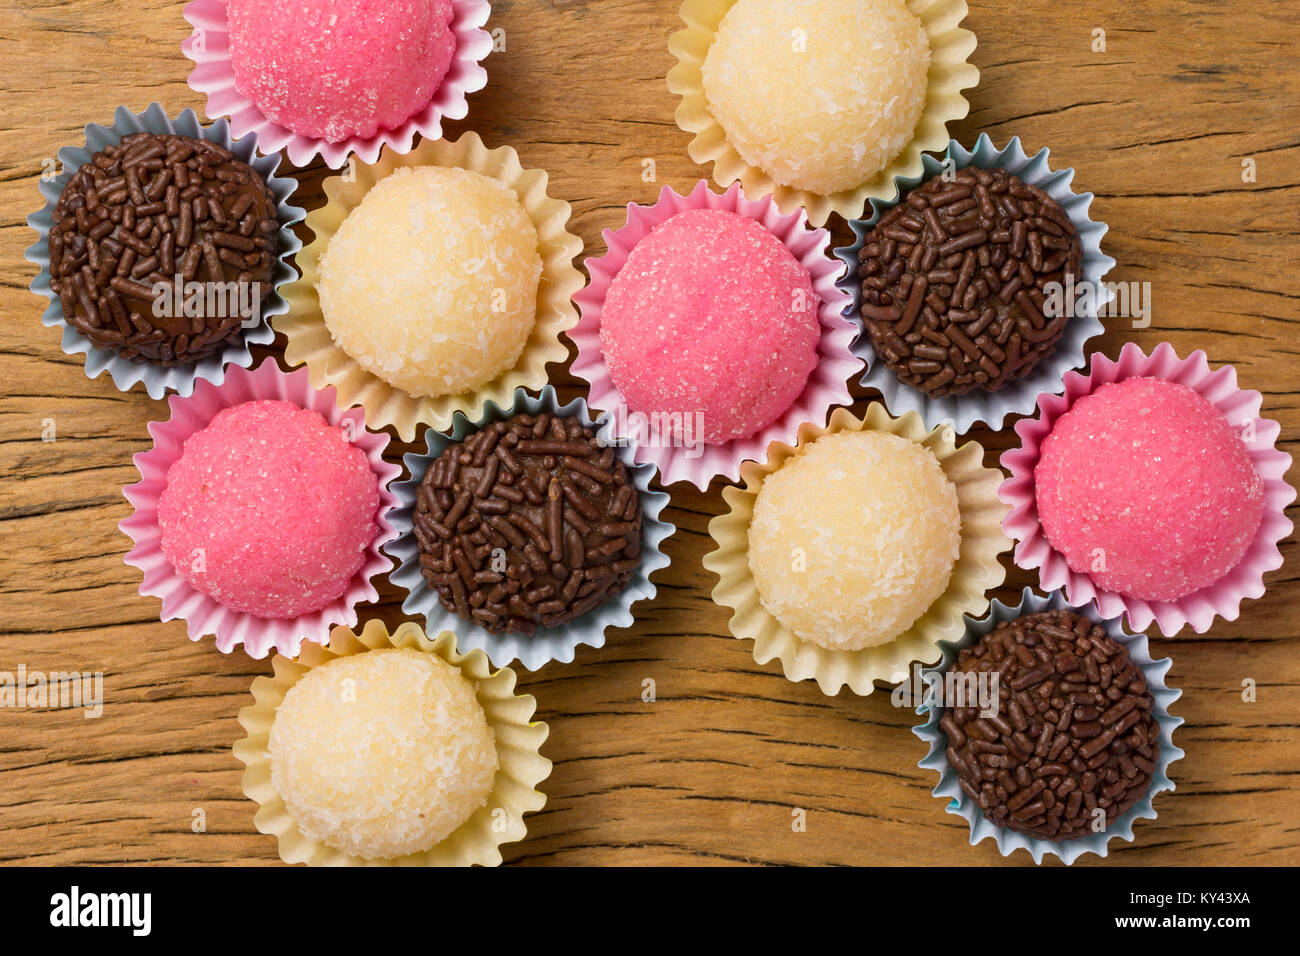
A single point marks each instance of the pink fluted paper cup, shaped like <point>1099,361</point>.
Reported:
<point>209,47</point>
<point>827,385</point>
<point>203,615</point>
<point>1242,410</point>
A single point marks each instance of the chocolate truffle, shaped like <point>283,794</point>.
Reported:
<point>711,315</point>
<point>382,754</point>
<point>818,94</point>
<point>162,246</point>
<point>853,538</point>
<point>1145,487</point>
<point>431,281</point>
<point>269,510</point>
<point>527,523</point>
<point>953,281</point>
<point>1074,741</point>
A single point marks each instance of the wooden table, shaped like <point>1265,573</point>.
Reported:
<point>1157,126</point>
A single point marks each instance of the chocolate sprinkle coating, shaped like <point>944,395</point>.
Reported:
<point>1075,728</point>
<point>146,210</point>
<point>953,277</point>
<point>527,522</point>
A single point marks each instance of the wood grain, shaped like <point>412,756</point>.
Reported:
<point>1157,126</point>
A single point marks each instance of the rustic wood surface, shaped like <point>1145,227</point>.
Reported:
<point>1157,125</point>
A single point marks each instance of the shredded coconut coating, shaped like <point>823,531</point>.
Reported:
<point>431,281</point>
<point>338,68</point>
<point>819,94</point>
<point>269,510</point>
<point>1145,487</point>
<point>854,538</point>
<point>383,753</point>
<point>711,313</point>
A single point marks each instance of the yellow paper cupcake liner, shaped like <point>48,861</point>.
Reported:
<point>976,572</point>
<point>518,740</point>
<point>310,343</point>
<point>950,73</point>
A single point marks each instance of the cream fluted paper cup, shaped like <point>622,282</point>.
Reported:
<point>518,740</point>
<point>309,340</point>
<point>950,72</point>
<point>976,571</point>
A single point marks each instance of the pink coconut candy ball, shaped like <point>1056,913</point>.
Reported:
<point>333,69</point>
<point>269,510</point>
<point>711,313</point>
<point>1145,487</point>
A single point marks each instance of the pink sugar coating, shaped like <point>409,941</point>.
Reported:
<point>1145,487</point>
<point>281,505</point>
<point>711,313</point>
<point>333,70</point>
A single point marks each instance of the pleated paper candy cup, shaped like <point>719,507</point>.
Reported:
<point>961,804</point>
<point>950,73</point>
<point>126,373</point>
<point>976,572</point>
<point>1018,396</point>
<point>309,341</point>
<point>202,614</point>
<point>213,77</point>
<point>478,841</point>
<point>1242,410</point>
<point>827,385</point>
<point>547,643</point>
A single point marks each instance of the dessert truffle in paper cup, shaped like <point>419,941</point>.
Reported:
<point>978,285</point>
<point>710,328</point>
<point>328,79</point>
<point>1152,488</point>
<point>527,533</point>
<point>187,298</point>
<point>819,103</point>
<point>260,512</point>
<point>1096,775</point>
<point>855,552</point>
<point>391,750</point>
<point>438,281</point>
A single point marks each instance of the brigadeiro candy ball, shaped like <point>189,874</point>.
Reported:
<point>162,246</point>
<point>1074,739</point>
<point>712,315</point>
<point>431,282</point>
<point>1145,487</point>
<point>382,754</point>
<point>956,281</point>
<point>854,538</point>
<point>334,70</point>
<point>526,523</point>
<point>269,510</point>
<point>819,94</point>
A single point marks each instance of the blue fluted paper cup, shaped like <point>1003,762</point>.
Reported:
<point>126,373</point>
<point>960,803</point>
<point>1017,397</point>
<point>548,643</point>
